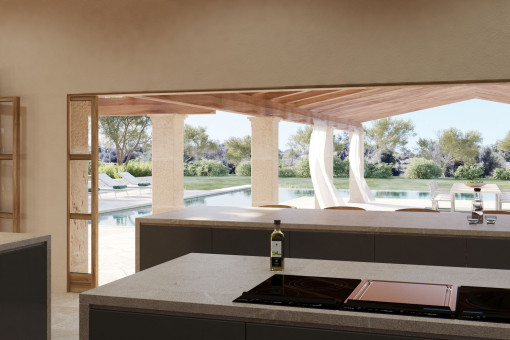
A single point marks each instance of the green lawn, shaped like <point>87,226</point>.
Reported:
<point>394,183</point>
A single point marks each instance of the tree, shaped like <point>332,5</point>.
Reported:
<point>126,133</point>
<point>490,160</point>
<point>429,149</point>
<point>505,143</point>
<point>300,141</point>
<point>239,149</point>
<point>387,134</point>
<point>197,143</point>
<point>457,146</point>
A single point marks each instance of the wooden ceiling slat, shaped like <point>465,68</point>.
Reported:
<point>271,95</point>
<point>130,106</point>
<point>301,95</point>
<point>250,105</point>
<point>325,98</point>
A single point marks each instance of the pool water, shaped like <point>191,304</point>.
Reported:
<point>242,198</point>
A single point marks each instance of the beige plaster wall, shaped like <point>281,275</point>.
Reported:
<point>49,48</point>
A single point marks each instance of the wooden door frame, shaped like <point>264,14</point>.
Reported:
<point>15,157</point>
<point>79,282</point>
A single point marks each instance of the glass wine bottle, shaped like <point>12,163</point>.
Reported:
<point>276,256</point>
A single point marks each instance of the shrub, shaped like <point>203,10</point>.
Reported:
<point>469,171</point>
<point>378,170</point>
<point>422,168</point>
<point>286,171</point>
<point>244,168</point>
<point>111,169</point>
<point>205,167</point>
<point>139,168</point>
<point>340,167</point>
<point>502,174</point>
<point>303,167</point>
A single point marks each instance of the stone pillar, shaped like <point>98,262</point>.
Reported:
<point>328,157</point>
<point>264,160</point>
<point>167,162</point>
<point>355,195</point>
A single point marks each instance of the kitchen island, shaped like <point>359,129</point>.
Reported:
<point>25,309</point>
<point>439,239</point>
<point>191,298</point>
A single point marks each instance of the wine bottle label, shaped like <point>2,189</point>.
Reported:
<point>276,249</point>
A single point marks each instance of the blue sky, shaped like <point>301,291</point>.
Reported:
<point>490,118</point>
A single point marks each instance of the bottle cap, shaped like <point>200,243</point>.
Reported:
<point>478,189</point>
<point>277,222</point>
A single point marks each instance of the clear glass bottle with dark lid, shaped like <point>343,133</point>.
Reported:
<point>477,206</point>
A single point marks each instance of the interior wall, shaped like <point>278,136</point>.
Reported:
<point>51,48</point>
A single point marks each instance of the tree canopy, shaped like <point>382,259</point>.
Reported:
<point>300,141</point>
<point>505,143</point>
<point>456,145</point>
<point>197,143</point>
<point>125,133</point>
<point>387,134</point>
<point>238,149</point>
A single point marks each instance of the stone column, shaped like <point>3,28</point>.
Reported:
<point>167,162</point>
<point>264,160</point>
<point>355,195</point>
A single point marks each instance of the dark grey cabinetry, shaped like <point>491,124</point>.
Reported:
<point>113,325</point>
<point>161,244</point>
<point>425,250</point>
<point>332,246</point>
<point>264,332</point>
<point>488,253</point>
<point>240,242</point>
<point>24,293</point>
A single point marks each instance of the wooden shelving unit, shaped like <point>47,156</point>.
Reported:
<point>10,153</point>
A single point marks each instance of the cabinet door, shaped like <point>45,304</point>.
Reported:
<point>332,246</point>
<point>113,325</point>
<point>435,251</point>
<point>488,253</point>
<point>159,244</point>
<point>244,242</point>
<point>264,332</point>
<point>24,293</point>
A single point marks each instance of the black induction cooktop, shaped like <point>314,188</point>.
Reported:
<point>301,291</point>
<point>483,304</point>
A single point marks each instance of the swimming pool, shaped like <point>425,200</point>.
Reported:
<point>242,198</point>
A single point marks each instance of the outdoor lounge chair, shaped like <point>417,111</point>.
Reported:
<point>135,181</point>
<point>437,194</point>
<point>108,183</point>
<point>504,198</point>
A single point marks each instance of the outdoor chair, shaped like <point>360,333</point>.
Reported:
<point>344,207</point>
<point>107,183</point>
<point>504,198</point>
<point>135,181</point>
<point>418,210</point>
<point>277,206</point>
<point>438,194</point>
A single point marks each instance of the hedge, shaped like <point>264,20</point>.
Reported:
<point>205,167</point>
<point>421,168</point>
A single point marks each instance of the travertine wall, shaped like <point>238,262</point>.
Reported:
<point>53,48</point>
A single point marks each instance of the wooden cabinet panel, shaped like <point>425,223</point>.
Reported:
<point>488,253</point>
<point>332,246</point>
<point>113,325</point>
<point>24,293</point>
<point>264,332</point>
<point>425,250</point>
<point>161,244</point>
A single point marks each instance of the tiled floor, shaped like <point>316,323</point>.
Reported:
<point>64,316</point>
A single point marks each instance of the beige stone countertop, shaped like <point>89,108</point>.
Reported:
<point>15,240</point>
<point>377,222</point>
<point>204,285</point>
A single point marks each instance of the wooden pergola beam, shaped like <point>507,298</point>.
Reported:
<point>131,106</point>
<point>250,105</point>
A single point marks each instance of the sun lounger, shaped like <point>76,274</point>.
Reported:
<point>108,183</point>
<point>135,181</point>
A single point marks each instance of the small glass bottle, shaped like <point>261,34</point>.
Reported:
<point>276,256</point>
<point>477,207</point>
